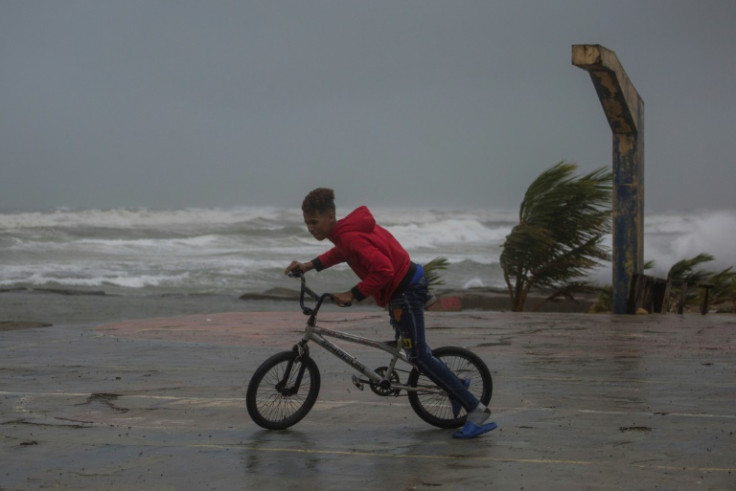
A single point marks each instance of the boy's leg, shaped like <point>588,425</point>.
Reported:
<point>407,317</point>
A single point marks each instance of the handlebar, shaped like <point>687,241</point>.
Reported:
<point>305,290</point>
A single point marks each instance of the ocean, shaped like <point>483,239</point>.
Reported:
<point>226,253</point>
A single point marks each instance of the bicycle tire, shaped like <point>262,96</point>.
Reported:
<point>434,407</point>
<point>275,409</point>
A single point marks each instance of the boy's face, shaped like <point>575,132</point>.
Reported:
<point>320,224</point>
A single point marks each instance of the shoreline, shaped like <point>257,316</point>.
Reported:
<point>23,308</point>
<point>74,305</point>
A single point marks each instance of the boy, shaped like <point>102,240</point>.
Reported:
<point>387,274</point>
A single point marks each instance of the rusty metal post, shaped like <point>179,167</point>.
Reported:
<point>624,109</point>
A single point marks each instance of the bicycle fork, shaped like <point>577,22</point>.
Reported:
<point>302,351</point>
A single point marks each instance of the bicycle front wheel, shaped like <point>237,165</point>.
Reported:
<point>432,404</point>
<point>282,390</point>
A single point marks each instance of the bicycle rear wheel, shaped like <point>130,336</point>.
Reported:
<point>433,404</point>
<point>282,390</point>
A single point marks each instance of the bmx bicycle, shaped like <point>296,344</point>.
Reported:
<point>284,388</point>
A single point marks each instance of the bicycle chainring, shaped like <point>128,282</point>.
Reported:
<point>384,388</point>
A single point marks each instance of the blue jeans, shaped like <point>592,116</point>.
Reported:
<point>406,312</point>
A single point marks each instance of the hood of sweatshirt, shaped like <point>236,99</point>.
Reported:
<point>359,220</point>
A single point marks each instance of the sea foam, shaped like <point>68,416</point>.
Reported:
<point>231,251</point>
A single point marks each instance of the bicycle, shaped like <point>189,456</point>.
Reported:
<point>284,388</point>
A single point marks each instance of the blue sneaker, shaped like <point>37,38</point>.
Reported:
<point>456,406</point>
<point>472,430</point>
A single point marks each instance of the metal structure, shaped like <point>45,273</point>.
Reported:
<point>624,109</point>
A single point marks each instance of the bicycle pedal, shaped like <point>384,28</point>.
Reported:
<point>358,383</point>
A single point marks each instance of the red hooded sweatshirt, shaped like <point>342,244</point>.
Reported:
<point>371,252</point>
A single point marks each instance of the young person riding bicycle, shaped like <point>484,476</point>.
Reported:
<point>389,276</point>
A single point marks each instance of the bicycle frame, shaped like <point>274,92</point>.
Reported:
<point>317,334</point>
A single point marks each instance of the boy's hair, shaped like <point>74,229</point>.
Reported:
<point>320,200</point>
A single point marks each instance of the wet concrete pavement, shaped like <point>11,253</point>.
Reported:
<point>582,402</point>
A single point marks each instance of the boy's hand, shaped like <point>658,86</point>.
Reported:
<point>303,267</point>
<point>344,299</point>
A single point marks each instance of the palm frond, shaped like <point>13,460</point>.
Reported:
<point>432,269</point>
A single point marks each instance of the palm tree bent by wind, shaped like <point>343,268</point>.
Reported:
<point>562,222</point>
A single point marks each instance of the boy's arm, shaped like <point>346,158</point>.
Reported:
<point>328,259</point>
<point>380,271</point>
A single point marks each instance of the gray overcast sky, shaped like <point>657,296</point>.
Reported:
<point>166,104</point>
